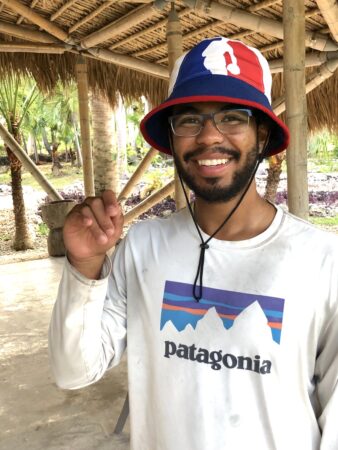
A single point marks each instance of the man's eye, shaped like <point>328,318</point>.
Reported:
<point>232,118</point>
<point>188,120</point>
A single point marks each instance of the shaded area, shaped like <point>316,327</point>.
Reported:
<point>34,413</point>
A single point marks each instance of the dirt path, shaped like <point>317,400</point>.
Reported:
<point>34,413</point>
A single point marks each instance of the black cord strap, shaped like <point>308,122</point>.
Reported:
<point>197,291</point>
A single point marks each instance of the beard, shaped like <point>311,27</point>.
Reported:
<point>215,193</point>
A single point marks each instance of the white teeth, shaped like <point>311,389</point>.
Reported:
<point>212,162</point>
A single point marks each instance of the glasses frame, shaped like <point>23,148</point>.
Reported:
<point>205,117</point>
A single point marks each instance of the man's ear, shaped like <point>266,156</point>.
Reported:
<point>263,135</point>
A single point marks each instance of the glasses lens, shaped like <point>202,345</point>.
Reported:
<point>187,124</point>
<point>232,121</point>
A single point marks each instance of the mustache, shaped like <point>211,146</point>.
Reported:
<point>219,150</point>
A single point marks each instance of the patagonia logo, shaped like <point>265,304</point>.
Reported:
<point>217,359</point>
<point>182,310</point>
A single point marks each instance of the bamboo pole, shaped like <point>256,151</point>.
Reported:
<point>296,109</point>
<point>27,34</point>
<point>32,5</point>
<point>324,72</point>
<point>175,50</point>
<point>82,87</point>
<point>321,74</point>
<point>311,59</point>
<point>156,197</point>
<point>329,9</point>
<point>62,10</point>
<point>28,164</point>
<point>257,23</point>
<point>90,16</point>
<point>261,5</point>
<point>203,29</point>
<point>155,27</point>
<point>31,48</point>
<point>269,47</point>
<point>137,175</point>
<point>33,17</point>
<point>129,62</point>
<point>119,26</point>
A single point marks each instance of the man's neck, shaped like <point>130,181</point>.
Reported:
<point>252,216</point>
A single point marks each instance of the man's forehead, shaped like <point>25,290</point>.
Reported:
<point>203,107</point>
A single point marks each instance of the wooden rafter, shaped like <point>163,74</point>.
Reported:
<point>257,23</point>
<point>329,9</point>
<point>90,16</point>
<point>129,62</point>
<point>311,59</point>
<point>113,29</point>
<point>62,9</point>
<point>270,47</point>
<point>27,34</point>
<point>28,163</point>
<point>32,48</point>
<point>34,17</point>
<point>262,5</point>
<point>21,18</point>
<point>161,24</point>
<point>205,28</point>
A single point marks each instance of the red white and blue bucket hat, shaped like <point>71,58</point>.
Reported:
<point>217,70</point>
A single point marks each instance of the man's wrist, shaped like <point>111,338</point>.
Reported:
<point>89,267</point>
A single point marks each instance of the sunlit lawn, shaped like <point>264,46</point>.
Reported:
<point>68,175</point>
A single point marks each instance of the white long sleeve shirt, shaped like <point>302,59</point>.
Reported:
<point>254,364</point>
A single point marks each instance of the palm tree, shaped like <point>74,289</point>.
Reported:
<point>274,172</point>
<point>16,97</point>
<point>105,156</point>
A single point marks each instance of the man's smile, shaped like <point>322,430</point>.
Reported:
<point>212,162</point>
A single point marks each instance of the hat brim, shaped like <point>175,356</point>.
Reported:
<point>155,127</point>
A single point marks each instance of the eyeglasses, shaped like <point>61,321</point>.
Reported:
<point>228,121</point>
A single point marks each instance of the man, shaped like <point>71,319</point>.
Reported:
<point>230,305</point>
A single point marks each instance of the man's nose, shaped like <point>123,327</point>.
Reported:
<point>209,134</point>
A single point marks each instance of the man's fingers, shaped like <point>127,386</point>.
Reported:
<point>111,204</point>
<point>99,234</point>
<point>97,209</point>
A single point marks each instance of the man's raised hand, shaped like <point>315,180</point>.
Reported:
<point>90,230</point>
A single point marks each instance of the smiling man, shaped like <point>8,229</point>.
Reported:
<point>229,306</point>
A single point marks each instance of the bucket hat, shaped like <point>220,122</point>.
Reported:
<point>217,70</point>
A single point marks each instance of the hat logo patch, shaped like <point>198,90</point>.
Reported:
<point>215,63</point>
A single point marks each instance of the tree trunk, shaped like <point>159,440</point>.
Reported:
<point>22,239</point>
<point>274,171</point>
<point>105,176</point>
<point>56,165</point>
<point>35,149</point>
<point>76,141</point>
<point>45,140</point>
<point>121,133</point>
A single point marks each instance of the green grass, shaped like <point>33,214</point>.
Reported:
<point>68,175</point>
<point>42,229</point>
<point>321,166</point>
<point>325,221</point>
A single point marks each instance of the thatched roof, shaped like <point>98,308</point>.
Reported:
<point>125,42</point>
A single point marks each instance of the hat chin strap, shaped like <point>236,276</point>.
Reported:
<point>198,288</point>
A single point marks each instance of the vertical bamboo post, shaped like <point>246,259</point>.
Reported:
<point>175,49</point>
<point>296,109</point>
<point>82,89</point>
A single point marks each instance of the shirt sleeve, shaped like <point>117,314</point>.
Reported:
<point>327,373</point>
<point>87,332</point>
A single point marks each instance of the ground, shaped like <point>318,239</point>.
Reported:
<point>34,413</point>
